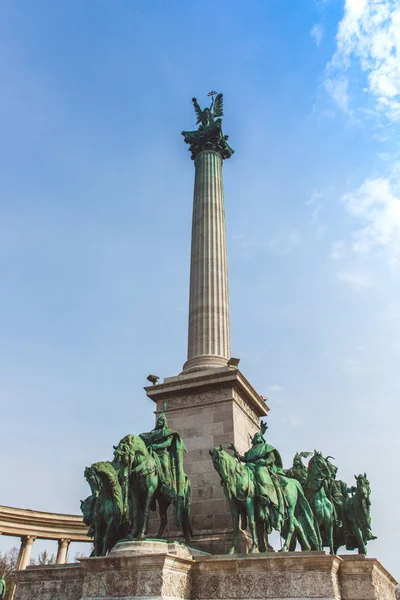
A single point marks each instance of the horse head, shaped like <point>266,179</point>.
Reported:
<point>319,470</point>
<point>125,451</point>
<point>221,460</point>
<point>315,461</point>
<point>325,467</point>
<point>363,486</point>
<point>111,487</point>
<point>87,509</point>
<point>215,454</point>
<point>92,479</point>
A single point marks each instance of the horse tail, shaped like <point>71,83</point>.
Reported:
<point>305,515</point>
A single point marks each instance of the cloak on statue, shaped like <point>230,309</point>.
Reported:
<point>167,448</point>
<point>266,464</point>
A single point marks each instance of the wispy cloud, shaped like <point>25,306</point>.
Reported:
<point>355,367</point>
<point>366,63</point>
<point>338,250</point>
<point>338,88</point>
<point>295,420</point>
<point>316,204</point>
<point>376,203</point>
<point>275,387</point>
<point>358,280</point>
<point>285,243</point>
<point>315,213</point>
<point>317,33</point>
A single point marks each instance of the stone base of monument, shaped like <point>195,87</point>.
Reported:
<point>168,570</point>
<point>209,408</point>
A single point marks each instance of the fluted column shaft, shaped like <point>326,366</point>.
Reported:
<point>209,326</point>
<point>62,552</point>
<point>25,552</point>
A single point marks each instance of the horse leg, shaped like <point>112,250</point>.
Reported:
<point>235,524</point>
<point>328,525</point>
<point>305,546</point>
<point>260,526</point>
<point>318,532</point>
<point>186,526</point>
<point>293,543</point>
<point>97,545</point>
<point>362,549</point>
<point>144,518</point>
<point>252,524</point>
<point>134,516</point>
<point>163,506</point>
<point>146,509</point>
<point>290,530</point>
<point>107,540</point>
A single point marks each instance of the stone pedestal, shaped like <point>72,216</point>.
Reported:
<point>208,408</point>
<point>302,575</point>
<point>291,575</point>
<point>159,571</point>
<point>135,570</point>
<point>363,578</point>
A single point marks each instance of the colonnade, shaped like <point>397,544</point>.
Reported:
<point>30,525</point>
<point>26,549</point>
<point>24,556</point>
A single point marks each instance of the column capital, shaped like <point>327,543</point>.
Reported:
<point>64,541</point>
<point>28,539</point>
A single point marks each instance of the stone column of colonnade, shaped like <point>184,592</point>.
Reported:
<point>25,552</point>
<point>209,343</point>
<point>24,557</point>
<point>62,552</point>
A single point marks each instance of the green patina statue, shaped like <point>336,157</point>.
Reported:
<point>306,504</point>
<point>147,470</point>
<point>168,448</point>
<point>107,510</point>
<point>266,464</point>
<point>3,587</point>
<point>209,135</point>
<point>259,492</point>
<point>299,470</point>
<point>341,513</point>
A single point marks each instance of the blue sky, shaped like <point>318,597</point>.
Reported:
<point>95,212</point>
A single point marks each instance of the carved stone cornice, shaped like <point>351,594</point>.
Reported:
<point>188,390</point>
<point>25,523</point>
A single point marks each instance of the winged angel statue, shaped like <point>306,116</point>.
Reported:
<point>209,135</point>
<point>206,117</point>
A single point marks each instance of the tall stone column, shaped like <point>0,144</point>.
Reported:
<point>209,342</point>
<point>62,551</point>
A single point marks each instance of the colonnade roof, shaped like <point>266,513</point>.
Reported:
<point>22,522</point>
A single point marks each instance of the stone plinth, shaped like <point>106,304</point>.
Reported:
<point>53,582</point>
<point>208,408</point>
<point>135,570</point>
<point>364,578</point>
<point>291,575</point>
<point>170,571</point>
